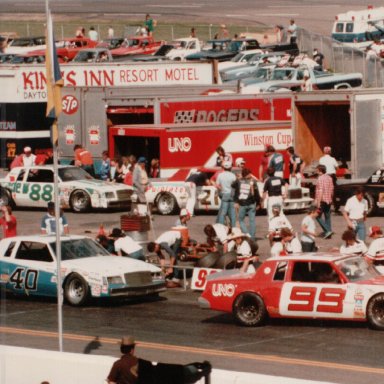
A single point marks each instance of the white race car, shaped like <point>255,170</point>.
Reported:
<point>79,191</point>
<point>28,267</point>
<point>170,196</point>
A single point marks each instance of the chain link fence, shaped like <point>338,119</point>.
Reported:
<point>339,58</point>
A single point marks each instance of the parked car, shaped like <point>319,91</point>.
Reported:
<point>159,55</point>
<point>183,47</point>
<point>79,191</point>
<point>21,45</point>
<point>309,286</point>
<point>93,55</point>
<point>137,45</point>
<point>28,268</point>
<point>373,187</point>
<point>242,58</point>
<point>112,43</point>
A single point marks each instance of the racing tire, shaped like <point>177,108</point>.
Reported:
<point>375,312</point>
<point>76,290</point>
<point>80,201</point>
<point>183,256</point>
<point>249,310</point>
<point>371,204</point>
<point>227,261</point>
<point>6,198</point>
<point>209,260</point>
<point>166,204</point>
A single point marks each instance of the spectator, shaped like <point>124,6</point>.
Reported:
<point>126,369</point>
<point>83,159</point>
<point>80,32</point>
<point>292,31</point>
<point>111,32</point>
<point>8,222</point>
<point>264,165</point>
<point>140,179</point>
<point>352,245</point>
<point>323,200</point>
<point>308,230</point>
<point>227,204</point>
<point>149,24</point>
<point>247,198</point>
<point>121,169</point>
<point>126,246</point>
<point>49,157</point>
<point>330,163</point>
<point>193,33</point>
<point>48,222</point>
<point>224,33</point>
<point>296,167</point>
<point>355,213</point>
<point>318,57</point>
<point>105,168</point>
<point>92,34</point>
<point>281,34</point>
<point>307,85</point>
<point>222,156</point>
<point>274,190</point>
<point>28,158</point>
<point>154,171</point>
<point>375,253</point>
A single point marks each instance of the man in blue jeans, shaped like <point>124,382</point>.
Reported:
<point>224,185</point>
<point>247,198</point>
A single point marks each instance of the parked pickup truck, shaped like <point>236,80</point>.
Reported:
<point>292,78</point>
<point>137,45</point>
<point>183,47</point>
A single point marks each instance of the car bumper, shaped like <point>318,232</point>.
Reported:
<point>297,204</point>
<point>203,303</point>
<point>138,291</point>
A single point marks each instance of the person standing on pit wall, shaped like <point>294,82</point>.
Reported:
<point>355,213</point>
<point>48,222</point>
<point>140,179</point>
<point>330,163</point>
<point>247,198</point>
<point>28,158</point>
<point>292,32</point>
<point>83,159</point>
<point>149,24</point>
<point>8,222</point>
<point>224,186</point>
<point>126,369</point>
<point>274,190</point>
<point>276,161</point>
<point>296,167</point>
<point>323,200</point>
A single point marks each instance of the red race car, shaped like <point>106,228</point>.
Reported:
<point>320,286</point>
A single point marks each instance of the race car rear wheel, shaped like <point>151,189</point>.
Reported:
<point>227,261</point>
<point>76,290</point>
<point>371,204</point>
<point>166,204</point>
<point>80,201</point>
<point>249,310</point>
<point>375,312</point>
<point>209,260</point>
<point>6,198</point>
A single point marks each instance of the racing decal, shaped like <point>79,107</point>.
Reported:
<point>94,134</point>
<point>69,104</point>
<point>70,134</point>
<point>199,277</point>
<point>358,309</point>
<point>226,289</point>
<point>35,192</point>
<point>24,278</point>
<point>179,144</point>
<point>174,189</point>
<point>96,290</point>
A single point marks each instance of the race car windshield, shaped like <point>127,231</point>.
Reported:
<point>73,173</point>
<point>80,249</point>
<point>357,269</point>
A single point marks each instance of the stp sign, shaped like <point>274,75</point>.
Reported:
<point>70,104</point>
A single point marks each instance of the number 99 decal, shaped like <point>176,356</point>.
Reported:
<point>25,279</point>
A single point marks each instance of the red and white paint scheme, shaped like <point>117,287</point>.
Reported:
<point>317,286</point>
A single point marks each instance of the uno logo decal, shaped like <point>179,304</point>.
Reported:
<point>227,290</point>
<point>182,144</point>
<point>70,104</point>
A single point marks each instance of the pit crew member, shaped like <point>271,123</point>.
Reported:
<point>126,246</point>
<point>375,253</point>
<point>352,245</point>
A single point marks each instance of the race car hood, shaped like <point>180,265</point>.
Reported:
<point>98,185</point>
<point>109,265</point>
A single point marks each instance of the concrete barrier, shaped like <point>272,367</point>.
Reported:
<point>32,366</point>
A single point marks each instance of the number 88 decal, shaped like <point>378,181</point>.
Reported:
<point>38,193</point>
<point>330,299</point>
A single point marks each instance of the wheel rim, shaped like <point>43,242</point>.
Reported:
<point>378,312</point>
<point>80,201</point>
<point>4,199</point>
<point>248,310</point>
<point>165,204</point>
<point>76,291</point>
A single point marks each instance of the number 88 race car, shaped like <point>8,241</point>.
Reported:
<point>317,286</point>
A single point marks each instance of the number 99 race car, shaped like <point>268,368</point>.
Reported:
<point>313,286</point>
<point>28,267</point>
<point>79,191</point>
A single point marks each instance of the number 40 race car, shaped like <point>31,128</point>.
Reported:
<point>312,286</point>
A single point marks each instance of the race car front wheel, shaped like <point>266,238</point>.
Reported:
<point>249,310</point>
<point>80,201</point>
<point>375,312</point>
<point>76,290</point>
<point>166,204</point>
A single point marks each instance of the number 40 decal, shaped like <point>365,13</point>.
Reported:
<point>24,279</point>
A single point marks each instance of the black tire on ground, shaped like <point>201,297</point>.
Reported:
<point>249,310</point>
<point>227,261</point>
<point>375,312</point>
<point>6,198</point>
<point>80,201</point>
<point>209,260</point>
<point>372,207</point>
<point>76,290</point>
<point>166,204</point>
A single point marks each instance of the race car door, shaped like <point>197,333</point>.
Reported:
<point>37,188</point>
<point>315,290</point>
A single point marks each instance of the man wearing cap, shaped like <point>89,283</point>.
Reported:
<point>244,254</point>
<point>125,370</point>
<point>28,158</point>
<point>126,246</point>
<point>274,190</point>
<point>48,222</point>
<point>355,213</point>
<point>276,223</point>
<point>224,185</point>
<point>375,253</point>
<point>140,179</point>
<point>183,219</point>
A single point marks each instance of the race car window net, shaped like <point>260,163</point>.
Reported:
<point>280,271</point>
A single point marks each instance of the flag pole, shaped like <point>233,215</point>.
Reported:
<point>50,84</point>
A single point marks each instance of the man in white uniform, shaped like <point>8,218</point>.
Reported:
<point>355,213</point>
<point>126,246</point>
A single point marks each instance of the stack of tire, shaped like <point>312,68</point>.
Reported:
<point>218,261</point>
